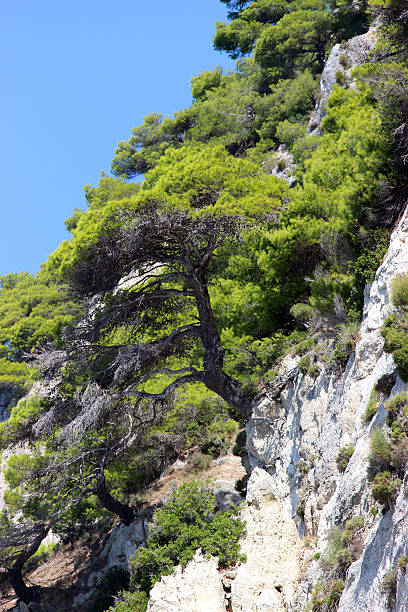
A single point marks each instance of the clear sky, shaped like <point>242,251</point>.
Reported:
<point>76,76</point>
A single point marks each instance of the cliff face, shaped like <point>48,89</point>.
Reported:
<point>296,438</point>
<point>296,494</point>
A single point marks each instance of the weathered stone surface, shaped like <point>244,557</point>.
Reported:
<point>196,588</point>
<point>296,436</point>
<point>268,578</point>
<point>343,58</point>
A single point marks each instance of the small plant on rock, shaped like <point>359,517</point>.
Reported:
<point>379,457</point>
<point>389,587</point>
<point>403,563</point>
<point>343,457</point>
<point>372,406</point>
<point>385,488</point>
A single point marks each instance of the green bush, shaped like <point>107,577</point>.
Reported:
<point>304,364</point>
<point>397,417</point>
<point>186,522</point>
<point>399,291</point>
<point>372,406</point>
<point>341,78</point>
<point>130,602</point>
<point>199,462</point>
<point>389,587</point>
<point>343,547</point>
<point>115,579</point>
<point>403,563</point>
<point>326,596</point>
<point>343,61</point>
<point>395,334</point>
<point>379,457</point>
<point>385,488</point>
<point>343,457</point>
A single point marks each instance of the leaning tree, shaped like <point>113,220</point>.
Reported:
<point>162,306</point>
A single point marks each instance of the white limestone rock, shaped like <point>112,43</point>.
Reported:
<point>196,588</point>
<point>267,581</point>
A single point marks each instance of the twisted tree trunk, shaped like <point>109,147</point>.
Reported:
<point>123,511</point>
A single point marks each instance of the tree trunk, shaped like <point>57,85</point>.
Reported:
<point>23,592</point>
<point>214,376</point>
<point>124,512</point>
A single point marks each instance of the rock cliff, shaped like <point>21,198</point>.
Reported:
<point>296,495</point>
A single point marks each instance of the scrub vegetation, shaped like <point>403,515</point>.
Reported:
<point>150,331</point>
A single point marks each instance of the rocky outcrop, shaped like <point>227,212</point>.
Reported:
<point>340,63</point>
<point>296,494</point>
<point>196,588</point>
<point>273,550</point>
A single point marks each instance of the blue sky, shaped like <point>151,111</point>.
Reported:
<point>76,76</point>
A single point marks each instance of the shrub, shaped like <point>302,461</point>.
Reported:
<point>343,547</point>
<point>328,559</point>
<point>325,596</point>
<point>301,507</point>
<point>241,485</point>
<point>41,556</point>
<point>395,334</point>
<point>185,523</point>
<point>343,61</point>
<point>389,587</point>
<point>379,457</point>
<point>397,417</point>
<point>399,454</point>
<point>130,602</point>
<point>302,313</point>
<point>345,344</point>
<point>199,462</point>
<point>343,457</point>
<point>403,563</point>
<point>115,579</point>
<point>304,364</point>
<point>240,443</point>
<point>385,488</point>
<point>336,588</point>
<point>399,291</point>
<point>385,383</point>
<point>314,370</point>
<point>372,406</point>
<point>340,77</point>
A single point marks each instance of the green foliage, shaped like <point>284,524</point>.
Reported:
<point>395,334</point>
<point>346,340</point>
<point>326,595</point>
<point>33,312</point>
<point>399,291</point>
<point>343,457</point>
<point>304,364</point>
<point>403,563</point>
<point>22,416</point>
<point>372,406</point>
<point>115,580</point>
<point>240,443</point>
<point>186,523</point>
<point>397,417</point>
<point>389,587</point>
<point>385,488</point>
<point>344,546</point>
<point>42,555</point>
<point>380,452</point>
<point>130,602</point>
<point>289,34</point>
<point>15,375</point>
